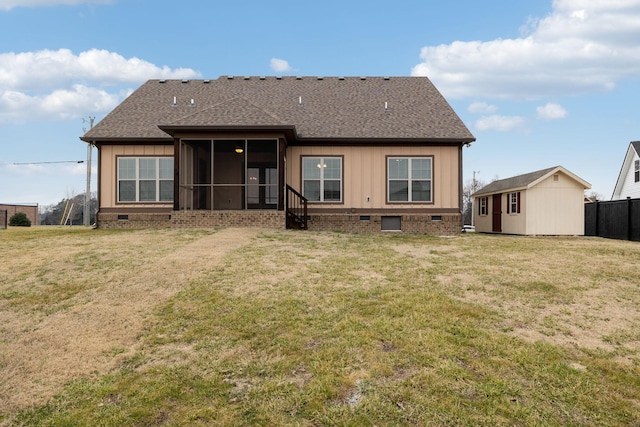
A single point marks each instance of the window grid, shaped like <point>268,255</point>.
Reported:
<point>409,179</point>
<point>322,179</point>
<point>145,179</point>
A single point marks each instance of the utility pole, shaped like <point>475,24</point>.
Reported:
<point>474,185</point>
<point>87,195</point>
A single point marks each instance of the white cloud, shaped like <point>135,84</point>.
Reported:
<point>551,111</point>
<point>581,46</point>
<point>49,68</point>
<point>59,85</point>
<point>482,108</point>
<point>279,65</point>
<point>500,123</point>
<point>10,4</point>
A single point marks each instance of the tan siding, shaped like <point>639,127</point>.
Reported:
<point>364,174</point>
<point>107,169</point>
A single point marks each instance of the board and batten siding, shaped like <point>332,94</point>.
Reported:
<point>556,207</point>
<point>108,178</point>
<point>365,175</point>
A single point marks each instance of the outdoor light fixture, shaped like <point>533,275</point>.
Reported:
<point>239,150</point>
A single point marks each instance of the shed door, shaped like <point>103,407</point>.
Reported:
<point>497,213</point>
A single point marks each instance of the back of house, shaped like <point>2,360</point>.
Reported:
<point>324,153</point>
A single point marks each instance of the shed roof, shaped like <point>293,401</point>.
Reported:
<point>342,108</point>
<point>525,181</point>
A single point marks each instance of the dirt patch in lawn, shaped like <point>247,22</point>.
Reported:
<point>96,325</point>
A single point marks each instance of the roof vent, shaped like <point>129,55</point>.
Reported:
<point>340,78</point>
<point>262,77</point>
<point>386,77</point>
<point>206,82</point>
<point>175,101</point>
<point>300,101</point>
<point>229,77</point>
<point>247,77</point>
<point>320,78</point>
<point>192,103</point>
<point>278,77</point>
<point>298,77</point>
<point>363,78</point>
<point>386,106</point>
<point>162,81</point>
<point>185,81</point>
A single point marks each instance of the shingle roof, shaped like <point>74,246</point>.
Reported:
<point>513,183</point>
<point>408,108</point>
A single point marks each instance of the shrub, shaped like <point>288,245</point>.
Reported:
<point>20,219</point>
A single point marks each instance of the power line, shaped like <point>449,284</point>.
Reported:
<point>45,163</point>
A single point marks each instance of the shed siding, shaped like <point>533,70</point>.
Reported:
<point>556,207</point>
<point>514,223</point>
<point>364,174</point>
<point>107,179</point>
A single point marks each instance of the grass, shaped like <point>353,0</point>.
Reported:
<point>267,327</point>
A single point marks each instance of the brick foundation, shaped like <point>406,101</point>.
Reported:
<point>248,218</point>
<point>441,225</point>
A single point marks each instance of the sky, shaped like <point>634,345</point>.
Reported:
<point>539,83</point>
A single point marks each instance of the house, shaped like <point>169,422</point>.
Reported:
<point>324,153</point>
<point>545,202</point>
<point>628,183</point>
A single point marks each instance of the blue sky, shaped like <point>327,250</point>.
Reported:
<point>538,82</point>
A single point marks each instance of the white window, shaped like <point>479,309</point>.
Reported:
<point>482,206</point>
<point>409,179</point>
<point>513,203</point>
<point>636,174</point>
<point>322,179</point>
<point>145,179</point>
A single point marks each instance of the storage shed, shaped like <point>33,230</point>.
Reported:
<point>545,202</point>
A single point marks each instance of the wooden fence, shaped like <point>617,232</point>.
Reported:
<point>616,219</point>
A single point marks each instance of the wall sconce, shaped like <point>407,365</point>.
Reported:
<point>239,150</point>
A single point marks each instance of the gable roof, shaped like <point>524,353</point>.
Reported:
<point>634,147</point>
<point>525,181</point>
<point>341,108</point>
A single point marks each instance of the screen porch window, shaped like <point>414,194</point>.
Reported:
<point>322,179</point>
<point>409,179</point>
<point>145,179</point>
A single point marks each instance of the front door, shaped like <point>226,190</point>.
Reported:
<point>497,213</point>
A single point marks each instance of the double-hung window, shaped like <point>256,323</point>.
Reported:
<point>513,203</point>
<point>482,206</point>
<point>409,179</point>
<point>322,179</point>
<point>145,179</point>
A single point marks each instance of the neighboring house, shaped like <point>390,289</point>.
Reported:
<point>628,184</point>
<point>545,202</point>
<point>353,154</point>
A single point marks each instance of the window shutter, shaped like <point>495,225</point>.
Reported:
<point>518,201</point>
<point>508,203</point>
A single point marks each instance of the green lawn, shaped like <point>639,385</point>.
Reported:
<point>272,327</point>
